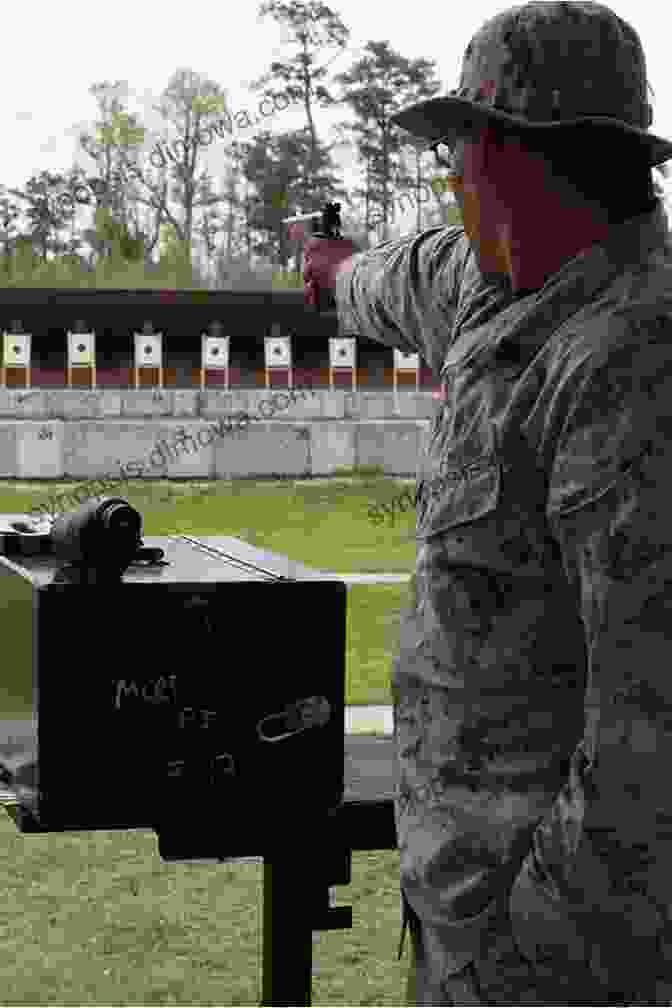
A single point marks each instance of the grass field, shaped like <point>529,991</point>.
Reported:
<point>98,918</point>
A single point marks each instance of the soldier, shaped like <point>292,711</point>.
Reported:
<point>533,811</point>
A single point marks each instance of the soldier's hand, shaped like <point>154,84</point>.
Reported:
<point>322,259</point>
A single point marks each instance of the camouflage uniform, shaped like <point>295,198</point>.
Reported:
<point>531,685</point>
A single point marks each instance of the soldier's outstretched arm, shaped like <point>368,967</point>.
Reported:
<point>405,292</point>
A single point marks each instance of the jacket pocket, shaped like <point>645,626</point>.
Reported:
<point>457,495</point>
<point>542,928</point>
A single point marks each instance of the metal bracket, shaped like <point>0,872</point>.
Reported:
<point>328,918</point>
<point>298,717</point>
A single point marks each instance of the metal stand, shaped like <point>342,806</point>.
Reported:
<point>203,377</point>
<point>287,368</point>
<point>3,373</point>
<point>148,367</point>
<point>296,903</point>
<point>353,371</point>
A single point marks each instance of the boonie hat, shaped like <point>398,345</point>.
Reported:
<point>542,66</point>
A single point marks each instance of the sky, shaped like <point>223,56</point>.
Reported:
<point>47,100</point>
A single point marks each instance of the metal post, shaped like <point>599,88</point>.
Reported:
<point>297,878</point>
<point>288,933</point>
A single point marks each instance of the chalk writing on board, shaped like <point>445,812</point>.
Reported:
<point>194,718</point>
<point>195,604</point>
<point>223,765</point>
<point>156,691</point>
<point>220,766</point>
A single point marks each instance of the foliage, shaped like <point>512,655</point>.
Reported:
<point>377,86</point>
<point>115,235</point>
<point>297,175</point>
<point>290,280</point>
<point>154,197</point>
<point>26,269</point>
<point>275,171</point>
<point>312,28</point>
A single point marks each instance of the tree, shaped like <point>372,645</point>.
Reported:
<point>233,198</point>
<point>378,85</point>
<point>275,172</point>
<point>312,27</point>
<point>113,146</point>
<point>169,177</point>
<point>359,138</point>
<point>116,237</point>
<point>46,212</point>
<point>9,233</point>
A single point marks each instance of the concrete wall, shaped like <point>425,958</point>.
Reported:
<point>322,404</point>
<point>81,435</point>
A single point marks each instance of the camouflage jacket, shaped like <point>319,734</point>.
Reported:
<point>531,686</point>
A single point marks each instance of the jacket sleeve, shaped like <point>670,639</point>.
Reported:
<point>405,292</point>
<point>609,507</point>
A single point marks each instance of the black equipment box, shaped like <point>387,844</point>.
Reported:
<point>184,692</point>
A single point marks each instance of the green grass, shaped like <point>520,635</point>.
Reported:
<point>98,918</point>
<point>322,523</point>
